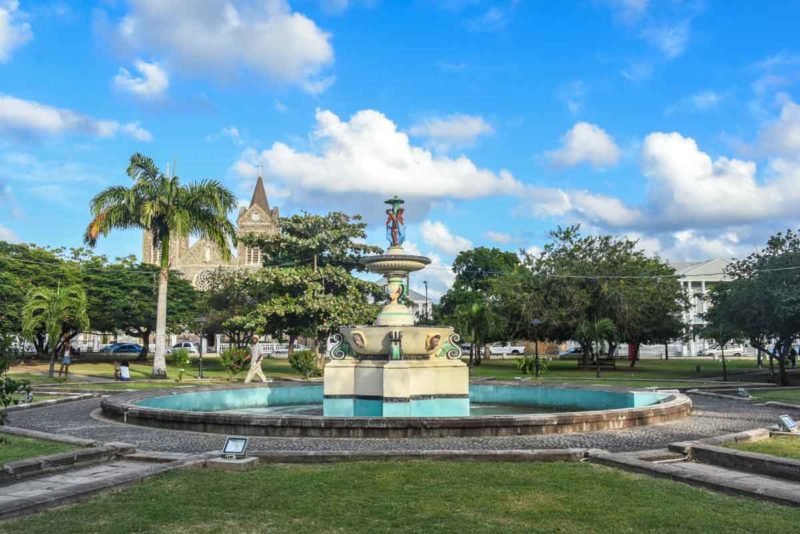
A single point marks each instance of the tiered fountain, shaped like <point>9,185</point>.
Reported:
<point>396,369</point>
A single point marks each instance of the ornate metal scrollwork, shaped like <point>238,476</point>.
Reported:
<point>341,349</point>
<point>454,350</point>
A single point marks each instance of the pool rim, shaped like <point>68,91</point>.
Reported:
<point>122,407</point>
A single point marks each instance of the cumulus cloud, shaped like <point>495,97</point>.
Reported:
<point>782,135</point>
<point>231,132</point>
<point>454,131</point>
<point>152,81</point>
<point>6,234</point>
<point>266,37</point>
<point>499,237</point>
<point>367,154</point>
<point>436,234</point>
<point>29,118</point>
<point>14,30</point>
<point>586,143</point>
<point>670,39</point>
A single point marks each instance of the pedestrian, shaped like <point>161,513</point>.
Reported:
<point>255,362</point>
<point>66,360</point>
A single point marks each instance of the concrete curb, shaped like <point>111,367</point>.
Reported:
<point>50,402</point>
<point>779,404</point>
<point>512,455</point>
<point>748,462</point>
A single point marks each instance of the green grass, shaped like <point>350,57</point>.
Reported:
<point>413,497</point>
<point>656,371</point>
<point>780,395</point>
<point>18,448</point>
<point>785,446</point>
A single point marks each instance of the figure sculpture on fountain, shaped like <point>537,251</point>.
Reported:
<point>395,222</point>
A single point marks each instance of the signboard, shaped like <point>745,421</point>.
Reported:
<point>235,447</point>
<point>788,424</point>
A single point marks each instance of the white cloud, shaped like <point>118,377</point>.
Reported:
<point>499,237</point>
<point>670,39</point>
<point>225,36</point>
<point>782,136</point>
<point>453,131</point>
<point>29,118</point>
<point>533,250</point>
<point>135,130</point>
<point>699,102</point>
<point>8,201</point>
<point>573,94</point>
<point>152,82</point>
<point>280,107</point>
<point>438,273</point>
<point>14,30</point>
<point>231,132</point>
<point>436,234</point>
<point>6,234</point>
<point>367,154</point>
<point>628,11</point>
<point>586,143</point>
<point>637,71</point>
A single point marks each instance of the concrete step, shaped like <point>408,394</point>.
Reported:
<point>708,476</point>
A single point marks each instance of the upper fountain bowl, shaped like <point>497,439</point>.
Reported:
<point>394,261</point>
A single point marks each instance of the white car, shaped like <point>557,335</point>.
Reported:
<point>504,348</point>
<point>716,352</point>
<point>188,345</point>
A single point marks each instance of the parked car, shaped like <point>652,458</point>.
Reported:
<point>188,345</point>
<point>123,349</point>
<point>505,348</point>
<point>716,352</point>
<point>574,352</point>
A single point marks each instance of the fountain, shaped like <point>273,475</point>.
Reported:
<point>393,368</point>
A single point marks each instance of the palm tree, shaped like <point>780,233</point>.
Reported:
<point>169,211</point>
<point>50,309</point>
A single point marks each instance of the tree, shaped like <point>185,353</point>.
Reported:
<point>60,312</point>
<point>321,240</point>
<point>231,298</point>
<point>762,299</point>
<point>122,298</point>
<point>170,211</point>
<point>591,335</point>
<point>723,332</point>
<point>469,304</point>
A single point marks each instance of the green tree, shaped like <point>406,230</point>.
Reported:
<point>334,239</point>
<point>230,298</point>
<point>723,332</point>
<point>60,312</point>
<point>169,210</point>
<point>592,334</point>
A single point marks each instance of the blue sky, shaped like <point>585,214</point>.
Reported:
<point>670,121</point>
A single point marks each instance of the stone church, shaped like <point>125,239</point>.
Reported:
<point>197,261</point>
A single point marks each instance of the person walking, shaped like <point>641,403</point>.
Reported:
<point>66,360</point>
<point>255,362</point>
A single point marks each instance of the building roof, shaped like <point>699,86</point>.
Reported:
<point>260,196</point>
<point>709,270</point>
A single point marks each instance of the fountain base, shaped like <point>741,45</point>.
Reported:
<point>396,388</point>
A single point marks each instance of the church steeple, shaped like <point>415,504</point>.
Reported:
<point>260,195</point>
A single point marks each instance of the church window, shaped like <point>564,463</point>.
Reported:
<point>252,255</point>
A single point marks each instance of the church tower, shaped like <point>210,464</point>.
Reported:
<point>257,219</point>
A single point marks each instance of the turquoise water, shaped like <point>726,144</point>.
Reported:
<point>484,400</point>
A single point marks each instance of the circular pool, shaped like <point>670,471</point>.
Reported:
<point>497,409</point>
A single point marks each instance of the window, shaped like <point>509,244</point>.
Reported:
<point>252,255</point>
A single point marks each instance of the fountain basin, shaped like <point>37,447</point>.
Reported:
<point>417,341</point>
<point>229,411</point>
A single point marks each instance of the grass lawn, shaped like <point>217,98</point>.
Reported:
<point>413,497</point>
<point>788,447</point>
<point>780,395</point>
<point>655,370</point>
<point>17,448</point>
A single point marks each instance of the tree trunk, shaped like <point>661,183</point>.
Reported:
<point>724,365</point>
<point>635,355</point>
<point>471,355</point>
<point>159,362</point>
<point>52,370</point>
<point>292,339</point>
<point>666,351</point>
<point>145,346</point>
<point>784,379</point>
<point>758,358</point>
<point>771,367</point>
<point>597,362</point>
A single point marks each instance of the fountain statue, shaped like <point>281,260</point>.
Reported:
<point>393,368</point>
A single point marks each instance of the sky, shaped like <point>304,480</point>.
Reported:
<point>674,122</point>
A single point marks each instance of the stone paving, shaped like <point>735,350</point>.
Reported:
<point>710,417</point>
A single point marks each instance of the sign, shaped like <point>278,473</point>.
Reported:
<point>743,393</point>
<point>235,447</point>
<point>788,424</point>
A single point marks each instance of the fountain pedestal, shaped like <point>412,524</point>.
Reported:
<point>396,369</point>
<point>401,388</point>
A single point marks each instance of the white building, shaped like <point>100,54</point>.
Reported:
<point>697,278</point>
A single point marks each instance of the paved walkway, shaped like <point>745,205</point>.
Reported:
<point>710,417</point>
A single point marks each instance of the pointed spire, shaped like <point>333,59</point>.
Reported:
<point>260,194</point>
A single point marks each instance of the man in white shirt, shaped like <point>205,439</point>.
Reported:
<point>255,362</point>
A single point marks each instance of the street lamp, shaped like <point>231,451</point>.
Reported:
<point>426,299</point>
<point>536,323</point>
<point>202,320</point>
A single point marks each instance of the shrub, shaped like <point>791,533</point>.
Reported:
<point>180,359</point>
<point>232,360</point>
<point>527,365</point>
<point>305,363</point>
